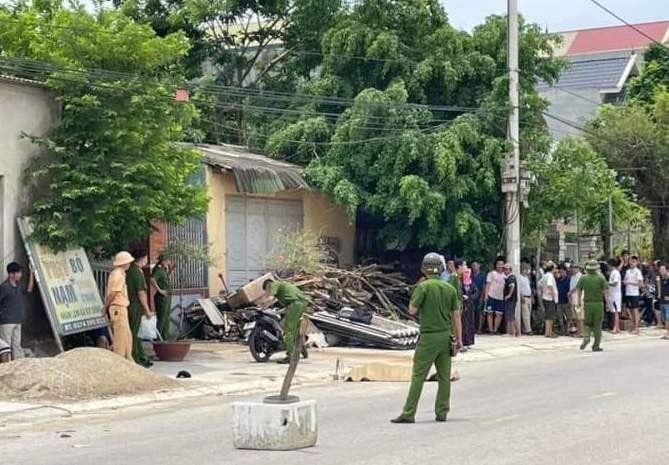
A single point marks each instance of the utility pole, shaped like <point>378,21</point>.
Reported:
<point>610,238</point>
<point>511,176</point>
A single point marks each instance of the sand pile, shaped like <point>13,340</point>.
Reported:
<point>79,374</point>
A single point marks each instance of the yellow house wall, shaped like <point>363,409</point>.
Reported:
<point>321,216</point>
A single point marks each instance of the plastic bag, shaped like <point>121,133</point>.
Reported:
<point>148,328</point>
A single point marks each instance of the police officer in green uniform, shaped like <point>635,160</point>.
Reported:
<point>594,290</point>
<point>436,303</point>
<point>139,304</point>
<point>162,300</point>
<point>292,299</point>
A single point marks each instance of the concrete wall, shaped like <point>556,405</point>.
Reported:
<point>578,108</point>
<point>321,216</point>
<point>25,108</point>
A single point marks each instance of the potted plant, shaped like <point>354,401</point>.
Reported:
<point>176,346</point>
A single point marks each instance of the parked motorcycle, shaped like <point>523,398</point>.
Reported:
<point>266,336</point>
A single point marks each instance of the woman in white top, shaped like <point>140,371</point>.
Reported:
<point>633,284</point>
<point>615,293</point>
<point>549,296</point>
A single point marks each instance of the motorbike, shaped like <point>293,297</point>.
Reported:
<point>266,335</point>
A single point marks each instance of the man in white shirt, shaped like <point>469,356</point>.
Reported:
<point>525,300</point>
<point>494,296</point>
<point>549,296</point>
<point>615,293</point>
<point>576,313</point>
<point>633,284</point>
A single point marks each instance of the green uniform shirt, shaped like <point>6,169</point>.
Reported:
<point>136,283</point>
<point>286,293</point>
<point>162,279</point>
<point>593,285</point>
<point>435,300</point>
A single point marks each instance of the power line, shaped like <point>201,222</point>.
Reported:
<point>627,23</point>
<point>241,92</point>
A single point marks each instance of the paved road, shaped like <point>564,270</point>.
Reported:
<point>558,408</point>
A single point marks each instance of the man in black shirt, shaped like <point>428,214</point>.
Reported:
<point>11,307</point>
<point>510,302</point>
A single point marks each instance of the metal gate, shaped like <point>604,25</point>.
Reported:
<point>189,273</point>
<point>251,227</point>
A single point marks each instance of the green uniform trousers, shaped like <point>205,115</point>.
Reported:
<point>594,317</point>
<point>162,305</point>
<point>291,325</point>
<point>135,318</point>
<point>432,349</point>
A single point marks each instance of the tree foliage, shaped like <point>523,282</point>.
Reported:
<point>655,75</point>
<point>635,139</point>
<point>241,44</point>
<point>431,174</point>
<point>113,162</point>
<point>573,181</point>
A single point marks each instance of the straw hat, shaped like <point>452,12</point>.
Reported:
<point>123,258</point>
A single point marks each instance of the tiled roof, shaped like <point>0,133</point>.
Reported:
<point>602,71</point>
<point>253,173</point>
<point>606,39</point>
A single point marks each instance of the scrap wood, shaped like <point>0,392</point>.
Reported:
<point>374,288</point>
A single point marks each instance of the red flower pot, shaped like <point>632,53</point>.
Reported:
<point>171,351</point>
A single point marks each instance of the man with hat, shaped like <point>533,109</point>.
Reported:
<point>116,304</point>
<point>594,289</point>
<point>436,303</point>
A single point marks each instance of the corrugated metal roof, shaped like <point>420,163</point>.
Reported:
<point>599,71</point>
<point>29,82</point>
<point>254,173</point>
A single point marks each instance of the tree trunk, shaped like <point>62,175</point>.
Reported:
<point>661,233</point>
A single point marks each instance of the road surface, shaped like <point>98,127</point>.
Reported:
<point>548,409</point>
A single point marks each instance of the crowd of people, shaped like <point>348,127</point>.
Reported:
<point>546,298</point>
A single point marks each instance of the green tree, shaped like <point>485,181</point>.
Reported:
<point>401,151</point>
<point>655,74</point>
<point>574,182</point>
<point>114,162</point>
<point>241,44</point>
<point>635,139</point>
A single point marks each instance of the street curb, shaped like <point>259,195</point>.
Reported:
<point>14,413</point>
<point>23,413</point>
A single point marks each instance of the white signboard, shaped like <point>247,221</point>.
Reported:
<point>67,285</point>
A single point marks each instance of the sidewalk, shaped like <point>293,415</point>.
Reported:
<point>228,369</point>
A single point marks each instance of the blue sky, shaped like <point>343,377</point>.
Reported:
<point>558,15</point>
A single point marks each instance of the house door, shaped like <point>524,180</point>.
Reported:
<point>252,226</point>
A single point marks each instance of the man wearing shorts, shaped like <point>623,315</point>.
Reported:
<point>494,296</point>
<point>633,284</point>
<point>663,296</point>
<point>549,297</point>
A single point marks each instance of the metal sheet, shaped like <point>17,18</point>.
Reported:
<point>210,309</point>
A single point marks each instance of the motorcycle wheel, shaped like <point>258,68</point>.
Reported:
<point>261,350</point>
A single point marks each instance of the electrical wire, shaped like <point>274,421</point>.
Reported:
<point>627,23</point>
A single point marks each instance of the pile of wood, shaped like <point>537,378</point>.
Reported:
<point>374,288</point>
